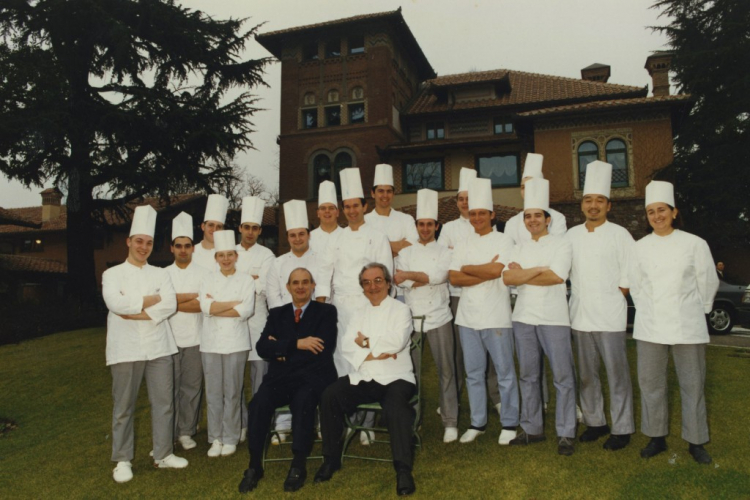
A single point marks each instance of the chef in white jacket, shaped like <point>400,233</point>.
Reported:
<point>140,298</point>
<point>673,283</point>
<point>227,299</point>
<point>213,220</point>
<point>186,325</point>
<point>328,217</point>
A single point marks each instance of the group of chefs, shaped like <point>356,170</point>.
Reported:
<point>199,321</point>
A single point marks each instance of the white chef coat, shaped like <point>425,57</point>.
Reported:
<point>388,327</point>
<point>123,289</point>
<point>186,327</point>
<point>543,305</point>
<point>599,270</point>
<point>227,335</point>
<point>451,235</point>
<point>516,229</point>
<point>319,239</point>
<point>673,283</point>
<point>205,258</point>
<point>278,276</point>
<point>431,300</point>
<point>349,251</point>
<point>256,261</point>
<point>396,226</point>
<point>486,305</point>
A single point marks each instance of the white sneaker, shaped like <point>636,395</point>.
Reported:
<point>506,436</point>
<point>243,434</point>
<point>579,414</point>
<point>228,449</point>
<point>215,449</point>
<point>470,435</point>
<point>187,442</point>
<point>497,407</point>
<point>123,472</point>
<point>438,411</point>
<point>278,438</point>
<point>365,439</point>
<point>151,453</point>
<point>450,435</point>
<point>171,462</point>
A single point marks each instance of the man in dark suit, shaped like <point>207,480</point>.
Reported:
<point>298,341</point>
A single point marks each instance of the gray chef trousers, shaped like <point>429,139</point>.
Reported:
<point>460,370</point>
<point>224,381</point>
<point>443,350</point>
<point>188,389</point>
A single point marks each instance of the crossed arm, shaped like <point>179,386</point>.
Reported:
<point>188,303</point>
<point>148,301</point>
<point>471,275</point>
<point>515,275</point>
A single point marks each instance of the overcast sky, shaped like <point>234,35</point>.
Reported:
<point>542,36</point>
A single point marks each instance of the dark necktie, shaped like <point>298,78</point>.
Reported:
<point>297,315</point>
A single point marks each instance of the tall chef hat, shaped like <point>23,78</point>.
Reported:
<point>295,214</point>
<point>182,226</point>
<point>480,195</point>
<point>537,194</point>
<point>144,221</point>
<point>224,241</point>
<point>216,208</point>
<point>383,175</point>
<point>327,193</point>
<point>533,166</point>
<point>351,184</point>
<point>467,174</point>
<point>252,210</point>
<point>427,204</point>
<point>660,191</point>
<point>598,178</point>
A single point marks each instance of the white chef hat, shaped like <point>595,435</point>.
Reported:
<point>480,195</point>
<point>660,191</point>
<point>383,175</point>
<point>144,221</point>
<point>224,241</point>
<point>351,184</point>
<point>427,204</point>
<point>598,178</point>
<point>466,175</point>
<point>182,226</point>
<point>216,208</point>
<point>537,194</point>
<point>295,214</point>
<point>327,193</point>
<point>252,210</point>
<point>533,166</point>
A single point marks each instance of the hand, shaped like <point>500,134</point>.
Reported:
<point>514,265</point>
<point>312,344</point>
<point>360,340</point>
<point>417,284</point>
<point>151,300</point>
<point>399,277</point>
<point>494,259</point>
<point>255,276</point>
<point>209,296</point>
<point>271,337</point>
<point>385,355</point>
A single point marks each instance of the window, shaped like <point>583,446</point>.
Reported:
<point>326,167</point>
<point>423,174</point>
<point>310,51</point>
<point>501,169</point>
<point>587,152</point>
<point>503,126</point>
<point>333,49</point>
<point>435,131</point>
<point>310,118</point>
<point>333,116</point>
<point>32,245</point>
<point>356,44</point>
<point>617,156</point>
<point>357,113</point>
<point>322,169</point>
<point>333,95</point>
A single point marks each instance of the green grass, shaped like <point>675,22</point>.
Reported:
<point>57,390</point>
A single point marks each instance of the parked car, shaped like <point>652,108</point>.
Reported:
<point>731,307</point>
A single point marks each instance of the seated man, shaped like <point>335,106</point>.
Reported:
<point>298,342</point>
<point>376,344</point>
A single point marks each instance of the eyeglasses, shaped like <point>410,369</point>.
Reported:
<point>376,281</point>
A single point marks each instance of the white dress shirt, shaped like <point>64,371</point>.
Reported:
<point>123,289</point>
<point>186,327</point>
<point>256,261</point>
<point>205,258</point>
<point>451,235</point>
<point>320,239</point>
<point>349,251</point>
<point>431,300</point>
<point>516,229</point>
<point>278,276</point>
<point>224,335</point>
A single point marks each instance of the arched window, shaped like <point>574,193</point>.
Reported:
<point>322,169</point>
<point>342,161</point>
<point>617,156</point>
<point>587,152</point>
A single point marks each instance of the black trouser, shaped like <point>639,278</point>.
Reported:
<point>342,398</point>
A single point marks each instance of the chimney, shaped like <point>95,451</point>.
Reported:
<point>596,73</point>
<point>657,65</point>
<point>51,199</point>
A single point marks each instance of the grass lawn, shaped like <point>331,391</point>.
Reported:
<point>57,390</point>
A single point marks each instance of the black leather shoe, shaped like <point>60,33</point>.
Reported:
<point>405,483</point>
<point>295,479</point>
<point>523,439</point>
<point>593,433</point>
<point>250,480</point>
<point>325,473</point>
<point>699,454</point>
<point>654,447</point>
<point>616,442</point>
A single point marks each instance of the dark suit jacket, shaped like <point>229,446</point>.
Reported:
<point>301,366</point>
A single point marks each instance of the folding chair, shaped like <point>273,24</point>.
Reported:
<point>282,444</point>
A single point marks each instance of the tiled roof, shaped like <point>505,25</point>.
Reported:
<point>21,263</point>
<point>596,66</point>
<point>527,90</point>
<point>609,104</point>
<point>448,211</point>
<point>328,24</point>
<point>10,218</point>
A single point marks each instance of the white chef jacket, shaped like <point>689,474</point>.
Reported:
<point>278,276</point>
<point>673,283</point>
<point>123,289</point>
<point>186,327</point>
<point>599,270</point>
<point>227,335</point>
<point>396,226</point>
<point>431,300</point>
<point>205,258</point>
<point>256,261</point>
<point>516,229</point>
<point>388,327</point>
<point>349,251</point>
<point>451,235</point>
<point>319,239</point>
<point>543,305</point>
<point>486,305</point>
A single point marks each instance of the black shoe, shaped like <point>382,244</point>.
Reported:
<point>616,442</point>
<point>250,480</point>
<point>593,433</point>
<point>565,446</point>
<point>523,439</point>
<point>295,479</point>
<point>405,483</point>
<point>654,447</point>
<point>699,454</point>
<point>325,473</point>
